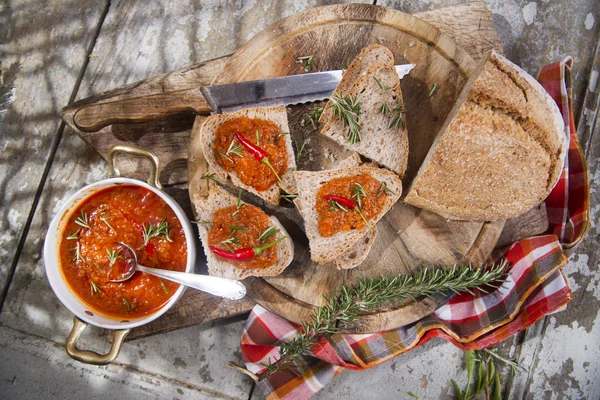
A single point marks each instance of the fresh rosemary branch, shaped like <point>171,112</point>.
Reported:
<point>433,89</point>
<point>384,189</point>
<point>397,120</point>
<point>357,192</point>
<point>239,204</point>
<point>347,109</point>
<point>289,197</point>
<point>113,256</point>
<point>73,235</point>
<point>270,231</point>
<point>301,151</point>
<point>161,230</point>
<point>83,221</point>
<point>211,177</point>
<point>344,307</point>
<point>233,149</point>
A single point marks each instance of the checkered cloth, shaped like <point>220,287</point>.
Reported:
<point>535,287</point>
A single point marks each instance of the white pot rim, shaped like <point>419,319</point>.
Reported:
<point>51,259</point>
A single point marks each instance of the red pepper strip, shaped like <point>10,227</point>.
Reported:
<point>344,201</point>
<point>256,152</point>
<point>244,254</point>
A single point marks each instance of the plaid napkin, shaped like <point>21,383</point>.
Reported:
<point>535,287</point>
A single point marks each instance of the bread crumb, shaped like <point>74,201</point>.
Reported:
<point>381,40</point>
<point>411,44</point>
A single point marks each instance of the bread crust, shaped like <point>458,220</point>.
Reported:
<point>500,151</point>
<point>278,116</point>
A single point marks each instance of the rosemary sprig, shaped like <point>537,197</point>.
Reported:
<point>335,206</point>
<point>347,109</point>
<point>239,204</point>
<point>95,288</point>
<point>307,63</point>
<point>314,114</point>
<point>301,151</point>
<point>289,197</point>
<point>104,218</point>
<point>161,230</point>
<point>113,256</point>
<point>267,233</point>
<point>384,108</point>
<point>82,220</point>
<point>384,189</point>
<point>128,306</point>
<point>344,306</point>
<point>202,222</point>
<point>211,177</point>
<point>433,89</point>
<point>384,88</point>
<point>233,149</point>
<point>231,239</point>
<point>73,235</point>
<point>164,287</point>
<point>77,255</point>
<point>397,121</point>
<point>357,192</point>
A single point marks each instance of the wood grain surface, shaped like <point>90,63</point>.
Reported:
<point>170,139</point>
<point>408,238</point>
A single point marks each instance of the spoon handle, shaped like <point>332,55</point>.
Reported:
<point>222,287</point>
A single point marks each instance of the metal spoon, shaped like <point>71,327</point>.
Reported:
<point>226,288</point>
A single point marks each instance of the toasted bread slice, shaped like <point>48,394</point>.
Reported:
<point>277,115</point>
<point>326,249</point>
<point>368,56</point>
<point>500,151</point>
<point>381,140</point>
<point>205,208</point>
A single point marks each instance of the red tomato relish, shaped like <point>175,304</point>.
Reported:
<point>89,251</point>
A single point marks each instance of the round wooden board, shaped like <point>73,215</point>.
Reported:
<point>408,238</point>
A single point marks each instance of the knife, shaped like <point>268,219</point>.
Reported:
<point>285,90</point>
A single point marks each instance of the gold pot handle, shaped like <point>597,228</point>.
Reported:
<point>113,170</point>
<point>90,357</point>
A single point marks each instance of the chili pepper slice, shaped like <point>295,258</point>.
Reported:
<point>256,152</point>
<point>245,253</point>
<point>344,201</point>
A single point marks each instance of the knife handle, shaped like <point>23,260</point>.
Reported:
<point>141,109</point>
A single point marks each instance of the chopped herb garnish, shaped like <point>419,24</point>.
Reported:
<point>104,217</point>
<point>113,256</point>
<point>82,220</point>
<point>233,149</point>
<point>257,138</point>
<point>269,232</point>
<point>95,288</point>
<point>335,206</point>
<point>384,189</point>
<point>77,255</point>
<point>433,89</point>
<point>239,203</point>
<point>202,222</point>
<point>384,108</point>
<point>347,109</point>
<point>74,235</point>
<point>232,239</point>
<point>301,151</point>
<point>161,230</point>
<point>211,177</point>
<point>357,192</point>
<point>128,306</point>
<point>314,114</point>
<point>397,120</point>
<point>383,88</point>
<point>307,63</point>
<point>165,288</point>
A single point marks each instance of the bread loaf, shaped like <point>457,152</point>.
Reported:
<point>500,151</point>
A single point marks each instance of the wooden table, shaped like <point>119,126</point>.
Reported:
<point>55,52</point>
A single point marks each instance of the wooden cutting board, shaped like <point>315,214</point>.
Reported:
<point>469,24</point>
<point>408,238</point>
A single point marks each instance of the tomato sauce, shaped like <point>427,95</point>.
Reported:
<point>233,157</point>
<point>89,250</point>
<point>332,219</point>
<point>234,228</point>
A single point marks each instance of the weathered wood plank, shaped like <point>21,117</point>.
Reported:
<point>39,66</point>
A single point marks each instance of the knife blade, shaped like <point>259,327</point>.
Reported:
<point>285,90</point>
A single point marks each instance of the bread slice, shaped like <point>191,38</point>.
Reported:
<point>368,56</point>
<point>205,208</point>
<point>383,144</point>
<point>277,115</point>
<point>326,249</point>
<point>500,151</point>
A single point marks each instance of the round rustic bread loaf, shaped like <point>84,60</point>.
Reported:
<point>500,151</point>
